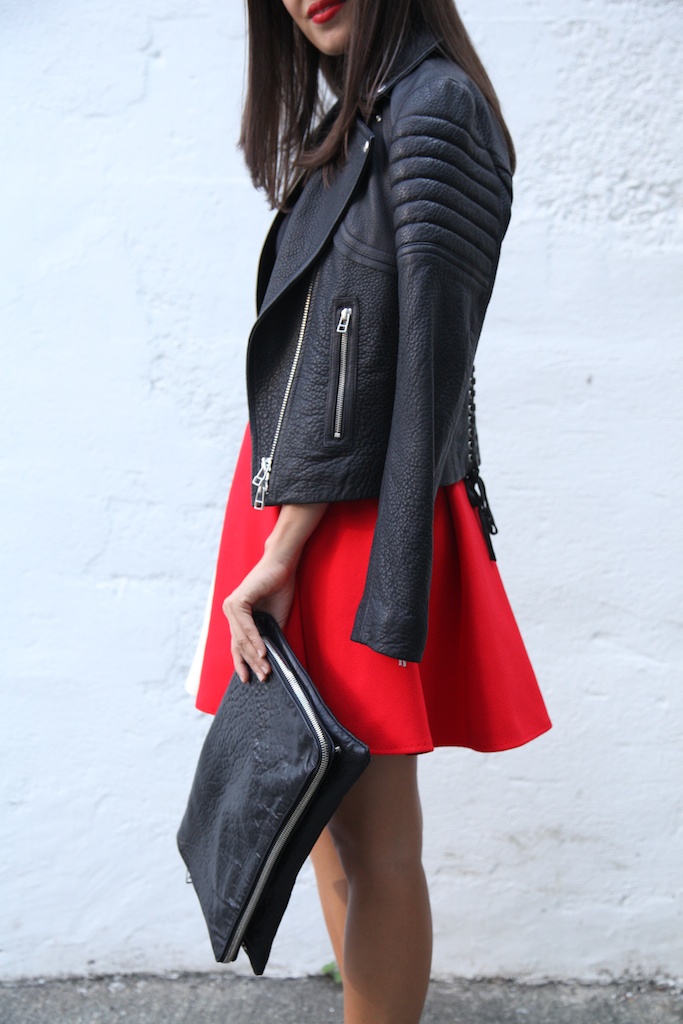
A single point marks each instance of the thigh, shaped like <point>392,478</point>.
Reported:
<point>380,817</point>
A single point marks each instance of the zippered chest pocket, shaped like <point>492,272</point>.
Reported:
<point>343,368</point>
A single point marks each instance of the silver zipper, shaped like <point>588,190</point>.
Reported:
<point>343,331</point>
<point>284,836</point>
<point>262,478</point>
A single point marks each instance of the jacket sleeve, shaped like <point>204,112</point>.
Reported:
<point>446,203</point>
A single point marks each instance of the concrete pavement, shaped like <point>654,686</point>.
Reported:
<point>214,998</point>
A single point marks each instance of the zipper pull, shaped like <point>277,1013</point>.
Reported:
<point>260,481</point>
<point>344,317</point>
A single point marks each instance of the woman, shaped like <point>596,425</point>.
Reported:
<point>367,532</point>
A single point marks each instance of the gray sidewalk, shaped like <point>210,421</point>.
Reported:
<point>214,998</point>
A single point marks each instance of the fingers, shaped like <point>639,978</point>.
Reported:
<point>247,647</point>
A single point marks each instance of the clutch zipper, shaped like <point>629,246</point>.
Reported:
<point>343,332</point>
<point>262,479</point>
<point>287,830</point>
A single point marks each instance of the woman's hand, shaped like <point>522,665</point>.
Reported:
<point>269,586</point>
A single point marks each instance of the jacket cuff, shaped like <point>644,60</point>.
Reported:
<point>388,631</point>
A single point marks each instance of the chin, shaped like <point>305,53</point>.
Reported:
<point>332,44</point>
<point>331,38</point>
<point>333,51</point>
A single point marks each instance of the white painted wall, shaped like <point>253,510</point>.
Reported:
<point>129,238</point>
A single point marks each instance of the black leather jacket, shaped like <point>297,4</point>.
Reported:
<point>359,362</point>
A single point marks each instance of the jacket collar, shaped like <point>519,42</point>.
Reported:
<point>417,48</point>
<point>319,209</point>
<point>314,217</point>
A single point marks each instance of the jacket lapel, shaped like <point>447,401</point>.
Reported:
<point>316,214</point>
<point>265,267</point>
<point>416,49</point>
<point>318,210</point>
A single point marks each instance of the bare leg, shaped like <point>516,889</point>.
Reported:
<point>333,890</point>
<point>388,938</point>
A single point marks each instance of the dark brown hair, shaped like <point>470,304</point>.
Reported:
<point>283,104</point>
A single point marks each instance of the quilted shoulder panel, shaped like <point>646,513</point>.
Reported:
<point>446,189</point>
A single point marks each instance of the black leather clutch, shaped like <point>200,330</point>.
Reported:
<point>274,766</point>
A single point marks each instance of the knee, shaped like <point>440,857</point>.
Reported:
<point>377,857</point>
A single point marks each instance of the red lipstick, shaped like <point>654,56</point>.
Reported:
<point>324,10</point>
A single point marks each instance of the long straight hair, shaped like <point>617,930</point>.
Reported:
<point>287,75</point>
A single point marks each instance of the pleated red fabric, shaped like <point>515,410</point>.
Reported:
<point>475,686</point>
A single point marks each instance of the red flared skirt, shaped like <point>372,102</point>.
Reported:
<point>474,687</point>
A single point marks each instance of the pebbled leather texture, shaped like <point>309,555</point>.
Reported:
<point>412,228</point>
<point>259,757</point>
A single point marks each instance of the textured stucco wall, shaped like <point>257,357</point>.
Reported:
<point>129,237</point>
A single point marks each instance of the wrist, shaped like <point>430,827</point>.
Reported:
<point>294,526</point>
<point>283,549</point>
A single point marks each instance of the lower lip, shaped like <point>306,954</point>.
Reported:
<point>327,15</point>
